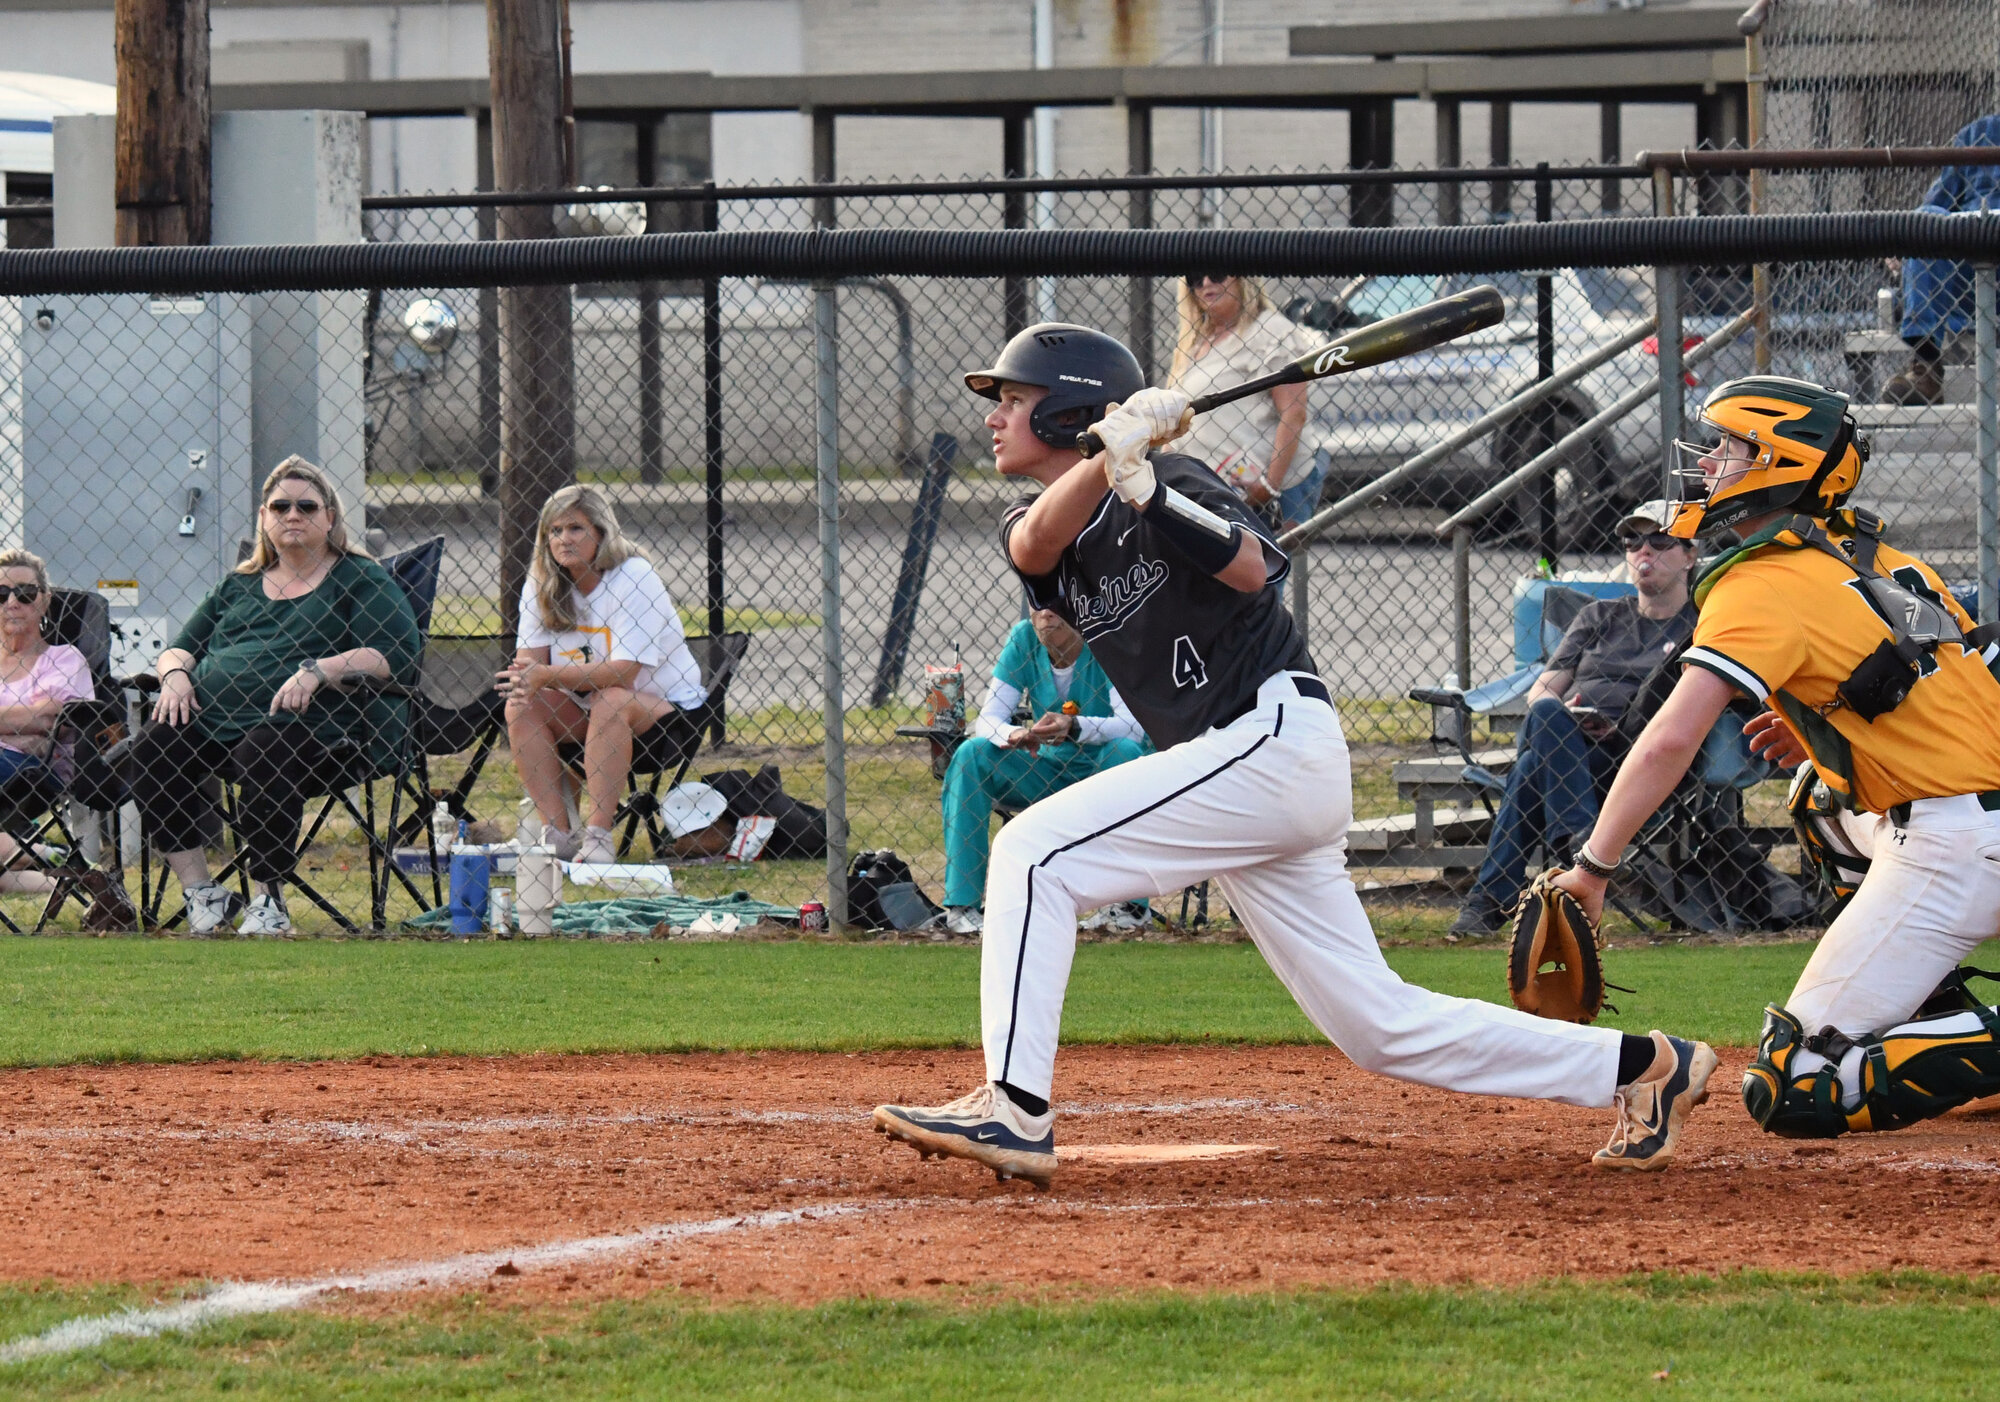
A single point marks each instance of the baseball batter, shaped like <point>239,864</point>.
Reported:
<point>1174,586</point>
<point>1875,673</point>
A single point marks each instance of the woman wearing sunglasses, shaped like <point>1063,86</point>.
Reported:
<point>1229,333</point>
<point>252,688</point>
<point>36,678</point>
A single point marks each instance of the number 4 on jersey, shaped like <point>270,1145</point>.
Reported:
<point>1189,669</point>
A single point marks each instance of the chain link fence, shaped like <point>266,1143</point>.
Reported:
<point>720,416</point>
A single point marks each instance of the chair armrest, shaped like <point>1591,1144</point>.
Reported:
<point>1439,696</point>
<point>363,682</point>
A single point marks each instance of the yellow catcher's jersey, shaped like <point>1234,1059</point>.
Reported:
<point>1788,626</point>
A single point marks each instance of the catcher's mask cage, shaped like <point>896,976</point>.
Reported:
<point>1761,444</point>
<point>1082,370</point>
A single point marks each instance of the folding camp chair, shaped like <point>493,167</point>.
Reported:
<point>351,773</point>
<point>32,805</point>
<point>671,744</point>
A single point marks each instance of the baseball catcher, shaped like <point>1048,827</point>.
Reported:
<point>1870,669</point>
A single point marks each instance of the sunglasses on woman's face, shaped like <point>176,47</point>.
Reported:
<point>285,506</point>
<point>21,593</point>
<point>1659,540</point>
<point>1197,279</point>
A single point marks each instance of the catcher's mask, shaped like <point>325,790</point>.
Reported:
<point>1083,370</point>
<point>1763,444</point>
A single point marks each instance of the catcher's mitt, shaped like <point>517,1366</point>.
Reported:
<point>1553,969</point>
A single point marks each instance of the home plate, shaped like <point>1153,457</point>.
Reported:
<point>1156,1153</point>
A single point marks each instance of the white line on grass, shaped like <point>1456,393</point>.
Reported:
<point>265,1297</point>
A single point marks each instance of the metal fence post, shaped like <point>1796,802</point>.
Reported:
<point>1667,297</point>
<point>826,363</point>
<point>1545,368</point>
<point>1301,590</point>
<point>1461,605</point>
<point>1989,442</point>
<point>711,404</point>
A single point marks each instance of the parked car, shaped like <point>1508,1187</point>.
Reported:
<point>1374,419</point>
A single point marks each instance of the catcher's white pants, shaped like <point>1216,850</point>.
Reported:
<point>1932,894</point>
<point>1263,806</point>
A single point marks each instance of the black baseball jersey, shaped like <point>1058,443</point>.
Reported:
<point>1184,649</point>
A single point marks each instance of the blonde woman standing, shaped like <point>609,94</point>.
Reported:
<point>1229,333</point>
<point>600,659</point>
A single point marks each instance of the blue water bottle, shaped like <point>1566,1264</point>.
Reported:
<point>471,875</point>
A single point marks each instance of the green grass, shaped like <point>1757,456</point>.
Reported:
<point>1907,1336</point>
<point>66,1000</point>
<point>478,616</point>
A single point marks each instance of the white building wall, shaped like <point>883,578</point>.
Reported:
<point>833,36</point>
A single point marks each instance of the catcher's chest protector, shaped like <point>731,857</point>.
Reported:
<point>1912,1072</point>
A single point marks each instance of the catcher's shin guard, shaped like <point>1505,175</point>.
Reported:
<point>1915,1071</point>
<point>1804,1106</point>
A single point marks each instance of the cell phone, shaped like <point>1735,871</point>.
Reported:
<point>1586,713</point>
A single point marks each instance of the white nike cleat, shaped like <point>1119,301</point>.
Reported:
<point>985,1127</point>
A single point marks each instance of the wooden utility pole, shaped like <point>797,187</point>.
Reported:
<point>163,129</point>
<point>537,366</point>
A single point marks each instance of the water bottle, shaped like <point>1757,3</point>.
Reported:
<point>528,828</point>
<point>537,891</point>
<point>444,832</point>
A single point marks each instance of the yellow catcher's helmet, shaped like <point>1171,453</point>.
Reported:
<point>1781,445</point>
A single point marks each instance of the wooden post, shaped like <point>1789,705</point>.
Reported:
<point>537,368</point>
<point>163,126</point>
<point>487,451</point>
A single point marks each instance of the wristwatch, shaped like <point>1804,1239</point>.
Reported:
<point>314,667</point>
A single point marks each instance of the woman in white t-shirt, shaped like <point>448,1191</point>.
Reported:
<point>1229,333</point>
<point>600,658</point>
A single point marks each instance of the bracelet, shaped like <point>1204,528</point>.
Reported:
<point>187,672</point>
<point>1588,861</point>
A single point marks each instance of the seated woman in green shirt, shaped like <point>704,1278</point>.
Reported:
<point>251,689</point>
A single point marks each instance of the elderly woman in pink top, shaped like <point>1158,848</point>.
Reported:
<point>35,680</point>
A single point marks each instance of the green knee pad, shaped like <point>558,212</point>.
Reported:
<point>1915,1072</point>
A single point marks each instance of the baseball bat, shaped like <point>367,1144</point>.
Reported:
<point>1379,342</point>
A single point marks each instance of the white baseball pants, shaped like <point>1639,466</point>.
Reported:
<point>1932,894</point>
<point>1263,806</point>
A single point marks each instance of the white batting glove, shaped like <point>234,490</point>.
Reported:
<point>1126,437</point>
<point>1167,412</point>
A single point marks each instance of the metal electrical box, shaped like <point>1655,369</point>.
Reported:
<point>135,452</point>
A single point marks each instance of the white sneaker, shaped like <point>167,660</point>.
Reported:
<point>1118,918</point>
<point>209,907</point>
<point>963,920</point>
<point>266,916</point>
<point>562,842</point>
<point>597,847</point>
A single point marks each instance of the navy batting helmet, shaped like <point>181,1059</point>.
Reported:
<point>1083,370</point>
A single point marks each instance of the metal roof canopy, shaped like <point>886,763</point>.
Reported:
<point>1672,75</point>
<point>1630,31</point>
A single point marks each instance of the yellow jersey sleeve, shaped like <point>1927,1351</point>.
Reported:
<point>1749,635</point>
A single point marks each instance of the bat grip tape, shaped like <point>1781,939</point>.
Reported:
<point>1207,540</point>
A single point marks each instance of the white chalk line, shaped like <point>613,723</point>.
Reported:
<point>418,1133</point>
<point>264,1297</point>
<point>237,1298</point>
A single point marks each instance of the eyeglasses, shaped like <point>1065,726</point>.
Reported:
<point>284,506</point>
<point>1659,540</point>
<point>22,593</point>
<point>1197,279</point>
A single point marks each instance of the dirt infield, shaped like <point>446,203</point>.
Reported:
<point>1308,1172</point>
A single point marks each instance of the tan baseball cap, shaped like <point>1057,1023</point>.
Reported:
<point>1654,515</point>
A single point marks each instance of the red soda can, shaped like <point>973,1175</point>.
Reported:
<point>812,916</point>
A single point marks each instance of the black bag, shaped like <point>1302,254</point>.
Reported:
<point>883,895</point>
<point>801,830</point>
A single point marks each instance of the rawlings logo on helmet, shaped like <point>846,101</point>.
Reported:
<point>1777,444</point>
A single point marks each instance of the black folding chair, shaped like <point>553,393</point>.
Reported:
<point>31,805</point>
<point>672,743</point>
